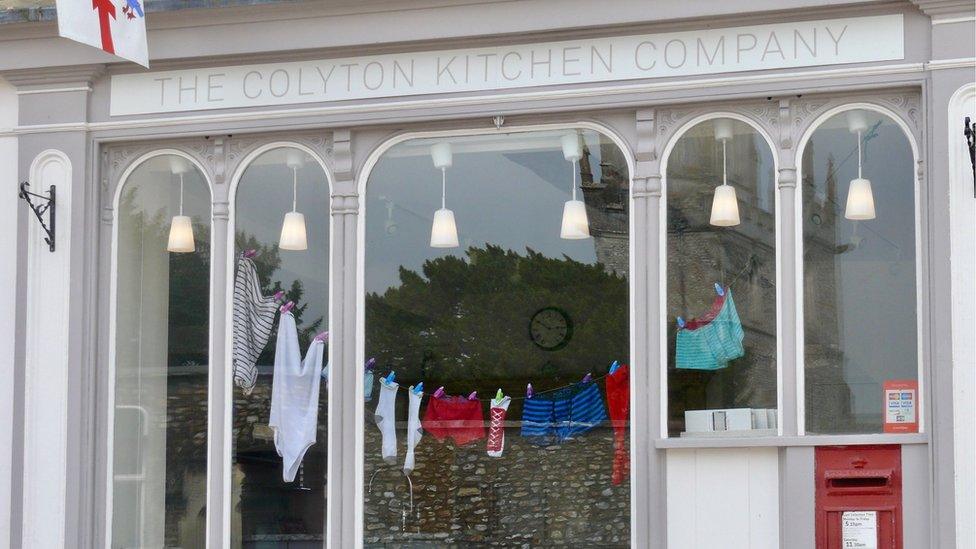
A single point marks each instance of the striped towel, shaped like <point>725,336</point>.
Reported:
<point>253,319</point>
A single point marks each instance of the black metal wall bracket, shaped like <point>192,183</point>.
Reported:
<point>969,130</point>
<point>40,209</point>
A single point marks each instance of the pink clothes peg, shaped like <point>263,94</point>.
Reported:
<point>250,253</point>
<point>587,378</point>
<point>529,391</point>
<point>473,395</point>
<point>370,364</point>
<point>439,392</point>
<point>287,307</point>
<point>279,295</point>
<point>323,337</point>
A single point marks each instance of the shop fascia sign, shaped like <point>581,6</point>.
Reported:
<point>584,61</point>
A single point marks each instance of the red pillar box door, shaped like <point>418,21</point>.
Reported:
<point>858,497</point>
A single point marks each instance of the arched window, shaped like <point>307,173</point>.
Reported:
<point>161,356</point>
<point>721,281</point>
<point>860,295</point>
<point>493,262</point>
<point>281,222</point>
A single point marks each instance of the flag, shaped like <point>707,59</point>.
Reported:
<point>115,26</point>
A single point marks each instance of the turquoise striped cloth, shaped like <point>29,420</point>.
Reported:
<point>712,346</point>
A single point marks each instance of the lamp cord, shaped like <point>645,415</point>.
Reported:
<point>294,190</point>
<point>859,154</point>
<point>444,188</point>
<point>573,167</point>
<point>181,193</point>
<point>725,174</point>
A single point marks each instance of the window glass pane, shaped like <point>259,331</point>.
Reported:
<point>722,363</point>
<point>267,509</point>
<point>513,303</point>
<point>161,360</point>
<point>859,287</point>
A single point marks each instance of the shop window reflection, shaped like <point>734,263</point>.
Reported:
<point>721,283</point>
<point>516,302</point>
<point>859,279</point>
<point>265,509</point>
<point>159,472</point>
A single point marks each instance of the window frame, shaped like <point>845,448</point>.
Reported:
<point>123,181</point>
<point>921,258</point>
<point>637,360</point>
<point>668,149</point>
<point>226,467</point>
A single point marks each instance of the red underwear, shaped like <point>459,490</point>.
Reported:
<point>455,417</point>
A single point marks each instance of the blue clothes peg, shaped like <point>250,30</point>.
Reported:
<point>719,289</point>
<point>370,364</point>
<point>529,391</point>
<point>587,378</point>
<point>614,366</point>
<point>681,322</point>
<point>391,376</point>
<point>418,389</point>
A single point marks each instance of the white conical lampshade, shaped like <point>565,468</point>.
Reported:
<point>576,225</point>
<point>860,201</point>
<point>181,235</point>
<point>443,232</point>
<point>725,207</point>
<point>293,232</point>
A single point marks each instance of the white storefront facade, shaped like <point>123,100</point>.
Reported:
<point>840,380</point>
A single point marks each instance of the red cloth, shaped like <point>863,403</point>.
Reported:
<point>709,316</point>
<point>618,403</point>
<point>455,417</point>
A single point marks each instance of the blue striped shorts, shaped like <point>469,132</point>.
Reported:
<point>563,414</point>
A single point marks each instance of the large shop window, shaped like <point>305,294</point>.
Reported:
<point>721,282</point>
<point>859,276</point>
<point>281,234</point>
<point>492,263</point>
<point>162,359</point>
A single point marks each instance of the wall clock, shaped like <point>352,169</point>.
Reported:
<point>550,328</point>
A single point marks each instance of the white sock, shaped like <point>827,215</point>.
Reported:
<point>385,419</point>
<point>414,431</point>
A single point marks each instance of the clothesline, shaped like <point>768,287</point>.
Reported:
<point>593,379</point>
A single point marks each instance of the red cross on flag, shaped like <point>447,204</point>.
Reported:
<point>115,26</point>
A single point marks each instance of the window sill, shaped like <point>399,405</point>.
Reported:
<point>773,441</point>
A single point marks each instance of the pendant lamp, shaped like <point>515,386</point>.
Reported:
<point>575,224</point>
<point>860,198</point>
<point>181,226</point>
<point>725,205</point>
<point>443,231</point>
<point>293,235</point>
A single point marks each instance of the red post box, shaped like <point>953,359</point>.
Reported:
<point>858,497</point>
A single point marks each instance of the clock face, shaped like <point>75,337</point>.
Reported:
<point>550,328</point>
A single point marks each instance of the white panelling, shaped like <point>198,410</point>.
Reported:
<point>46,357</point>
<point>962,207</point>
<point>725,498</point>
<point>8,298</point>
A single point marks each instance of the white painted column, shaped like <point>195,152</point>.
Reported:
<point>8,298</point>
<point>46,366</point>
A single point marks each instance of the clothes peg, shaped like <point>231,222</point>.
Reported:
<point>418,389</point>
<point>529,391</point>
<point>614,366</point>
<point>499,395</point>
<point>288,307</point>
<point>391,376</point>
<point>279,295</point>
<point>681,322</point>
<point>473,395</point>
<point>370,364</point>
<point>587,378</point>
<point>719,289</point>
<point>323,336</point>
<point>250,253</point>
<point>439,392</point>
